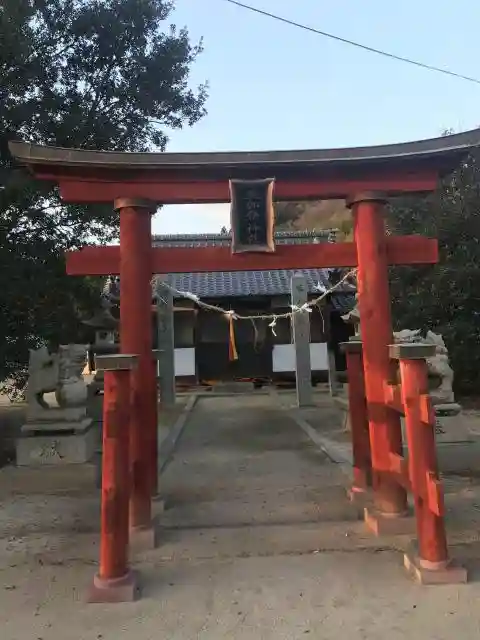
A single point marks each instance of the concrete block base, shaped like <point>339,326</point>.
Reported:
<point>384,524</point>
<point>55,447</point>
<point>458,450</point>
<point>450,573</point>
<point>110,591</point>
<point>55,418</point>
<point>158,505</point>
<point>143,538</point>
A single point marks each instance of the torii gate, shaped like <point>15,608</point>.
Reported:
<point>136,183</point>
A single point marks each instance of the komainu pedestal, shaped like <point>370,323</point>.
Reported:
<point>57,430</point>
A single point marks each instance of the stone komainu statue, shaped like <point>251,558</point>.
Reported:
<point>439,370</point>
<point>59,373</point>
<point>42,377</point>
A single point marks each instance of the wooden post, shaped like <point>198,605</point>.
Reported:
<point>136,337</point>
<point>166,344</point>
<point>432,564</point>
<point>301,337</point>
<point>153,435</point>
<point>114,582</point>
<point>432,542</point>
<point>376,329</point>
<point>357,405</point>
<point>332,365</point>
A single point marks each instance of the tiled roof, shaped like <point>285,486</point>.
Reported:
<point>227,284</point>
<point>224,284</point>
<point>231,284</point>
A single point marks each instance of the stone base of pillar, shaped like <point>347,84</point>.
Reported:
<point>386,524</point>
<point>117,590</point>
<point>359,496</point>
<point>449,573</point>
<point>158,504</point>
<point>143,538</point>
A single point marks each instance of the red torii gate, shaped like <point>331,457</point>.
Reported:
<point>137,182</point>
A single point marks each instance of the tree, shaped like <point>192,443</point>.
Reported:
<point>445,297</point>
<point>99,74</point>
<point>320,214</point>
<point>287,214</point>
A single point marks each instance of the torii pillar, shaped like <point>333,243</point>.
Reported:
<point>368,210</point>
<point>136,337</point>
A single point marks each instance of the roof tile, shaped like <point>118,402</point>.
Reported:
<point>225,284</point>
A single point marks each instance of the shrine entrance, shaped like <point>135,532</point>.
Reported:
<point>213,355</point>
<point>135,184</point>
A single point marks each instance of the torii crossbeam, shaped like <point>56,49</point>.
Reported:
<point>137,182</point>
<point>106,260</point>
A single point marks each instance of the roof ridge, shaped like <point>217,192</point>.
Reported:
<point>40,154</point>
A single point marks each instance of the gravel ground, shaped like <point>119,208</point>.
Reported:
<point>257,542</point>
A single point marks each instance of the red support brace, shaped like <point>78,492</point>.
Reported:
<point>106,260</point>
<point>432,542</point>
<point>114,582</point>
<point>362,464</point>
<point>197,191</point>
<point>376,329</point>
<point>430,563</point>
<point>136,337</point>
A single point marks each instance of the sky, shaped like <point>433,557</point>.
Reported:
<point>273,86</point>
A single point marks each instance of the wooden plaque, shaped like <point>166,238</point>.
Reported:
<point>252,215</point>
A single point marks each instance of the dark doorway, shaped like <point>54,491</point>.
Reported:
<point>253,343</point>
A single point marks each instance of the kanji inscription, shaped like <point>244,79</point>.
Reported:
<point>252,215</point>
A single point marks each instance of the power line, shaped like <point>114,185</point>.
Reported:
<point>365,47</point>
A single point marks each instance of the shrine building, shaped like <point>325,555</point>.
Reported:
<point>201,337</point>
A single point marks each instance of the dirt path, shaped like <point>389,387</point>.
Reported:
<point>242,463</point>
<point>257,542</point>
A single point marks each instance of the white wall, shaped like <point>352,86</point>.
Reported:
<point>284,357</point>
<point>185,362</point>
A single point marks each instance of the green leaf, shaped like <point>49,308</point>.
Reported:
<point>445,297</point>
<point>94,74</point>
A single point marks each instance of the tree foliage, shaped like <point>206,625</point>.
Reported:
<point>287,214</point>
<point>98,74</point>
<point>319,214</point>
<point>445,297</point>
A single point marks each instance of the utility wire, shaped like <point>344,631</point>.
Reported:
<point>365,47</point>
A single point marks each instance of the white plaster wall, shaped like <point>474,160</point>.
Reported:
<point>284,357</point>
<point>185,362</point>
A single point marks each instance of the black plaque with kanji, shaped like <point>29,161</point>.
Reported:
<point>252,215</point>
